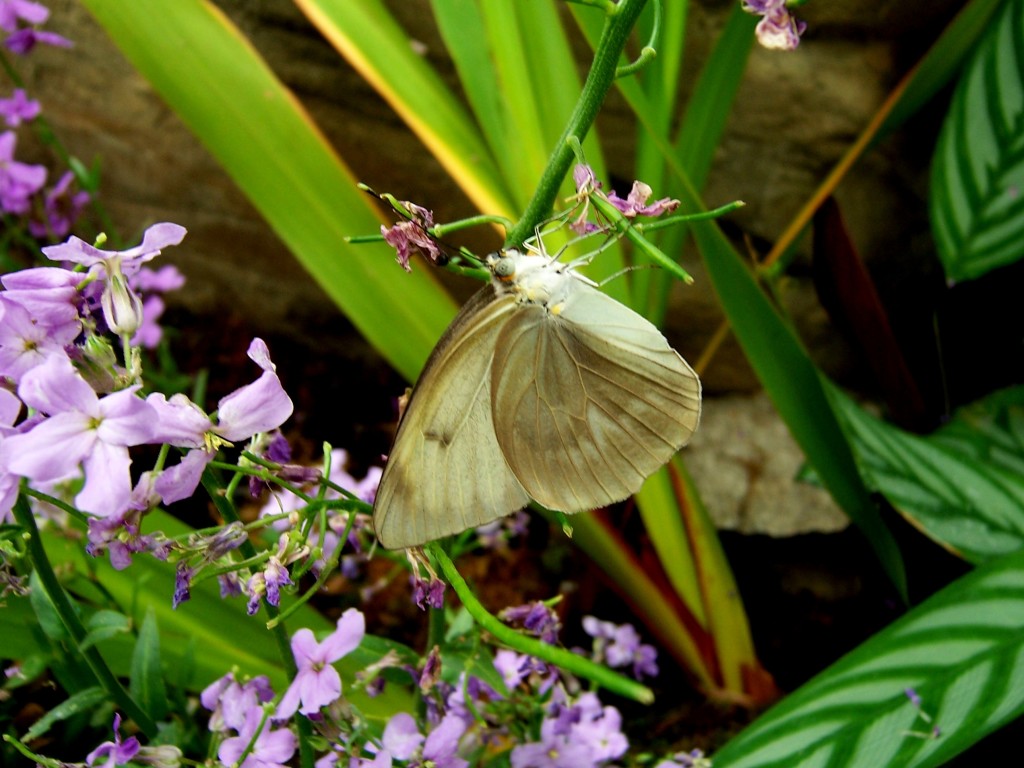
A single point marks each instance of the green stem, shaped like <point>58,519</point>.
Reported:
<point>228,512</point>
<point>567,660</point>
<point>600,78</point>
<point>62,605</point>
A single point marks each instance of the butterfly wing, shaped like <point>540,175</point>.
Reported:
<point>446,473</point>
<point>588,401</point>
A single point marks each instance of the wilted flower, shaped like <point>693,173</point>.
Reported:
<point>412,236</point>
<point>778,29</point>
<point>635,204</point>
<point>536,617</point>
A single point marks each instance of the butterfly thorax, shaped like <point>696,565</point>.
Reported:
<point>532,278</point>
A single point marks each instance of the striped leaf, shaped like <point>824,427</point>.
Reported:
<point>962,485</point>
<point>961,652</point>
<point>977,203</point>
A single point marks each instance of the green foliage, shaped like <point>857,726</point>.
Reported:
<point>961,651</point>
<point>147,679</point>
<point>977,204</point>
<point>962,485</point>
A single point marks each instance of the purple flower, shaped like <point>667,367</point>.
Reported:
<point>229,702</point>
<point>24,40</point>
<point>10,407</point>
<point>537,618</point>
<point>514,668</point>
<point>412,237</point>
<point>120,535</point>
<point>61,209</point>
<point>18,107</point>
<point>116,752</point>
<point>149,332</point>
<point>13,11</point>
<point>317,683</point>
<point>18,181</point>
<point>162,280</point>
<point>402,740</point>
<point>257,407</point>
<point>180,481</point>
<point>267,583</point>
<point>635,203</point>
<point>25,344</point>
<point>778,28</point>
<point>620,646</point>
<point>50,296</point>
<point>183,575</point>
<point>497,534</point>
<point>122,307</point>
<point>211,549</point>
<point>427,592</point>
<point>579,735</point>
<point>82,430</point>
<point>271,749</point>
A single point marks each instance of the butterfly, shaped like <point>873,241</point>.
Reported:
<point>542,388</point>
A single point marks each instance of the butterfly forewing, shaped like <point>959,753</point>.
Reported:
<point>588,402</point>
<point>446,473</point>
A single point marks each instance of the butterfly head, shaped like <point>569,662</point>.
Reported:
<point>531,278</point>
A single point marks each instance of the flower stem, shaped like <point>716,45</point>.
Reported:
<point>617,28</point>
<point>221,500</point>
<point>567,660</point>
<point>71,621</point>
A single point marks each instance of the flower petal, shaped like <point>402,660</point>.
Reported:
<point>257,407</point>
<point>346,638</point>
<point>55,387</point>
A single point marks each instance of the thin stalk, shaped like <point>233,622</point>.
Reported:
<point>62,605</point>
<point>602,74</point>
<point>560,657</point>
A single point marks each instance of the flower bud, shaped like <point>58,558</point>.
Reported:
<point>122,308</point>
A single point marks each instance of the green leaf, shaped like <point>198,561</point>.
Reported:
<point>82,702</point>
<point>795,386</point>
<point>961,651</point>
<point>977,205</point>
<point>147,680</point>
<point>990,430</point>
<point>367,35</point>
<point>226,636</point>
<point>220,87</point>
<point>46,614</point>
<point>104,625</point>
<point>962,486</point>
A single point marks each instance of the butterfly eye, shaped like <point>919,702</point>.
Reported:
<point>503,268</point>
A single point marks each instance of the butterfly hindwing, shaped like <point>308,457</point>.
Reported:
<point>589,400</point>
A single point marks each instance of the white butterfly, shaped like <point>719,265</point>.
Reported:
<point>542,388</point>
